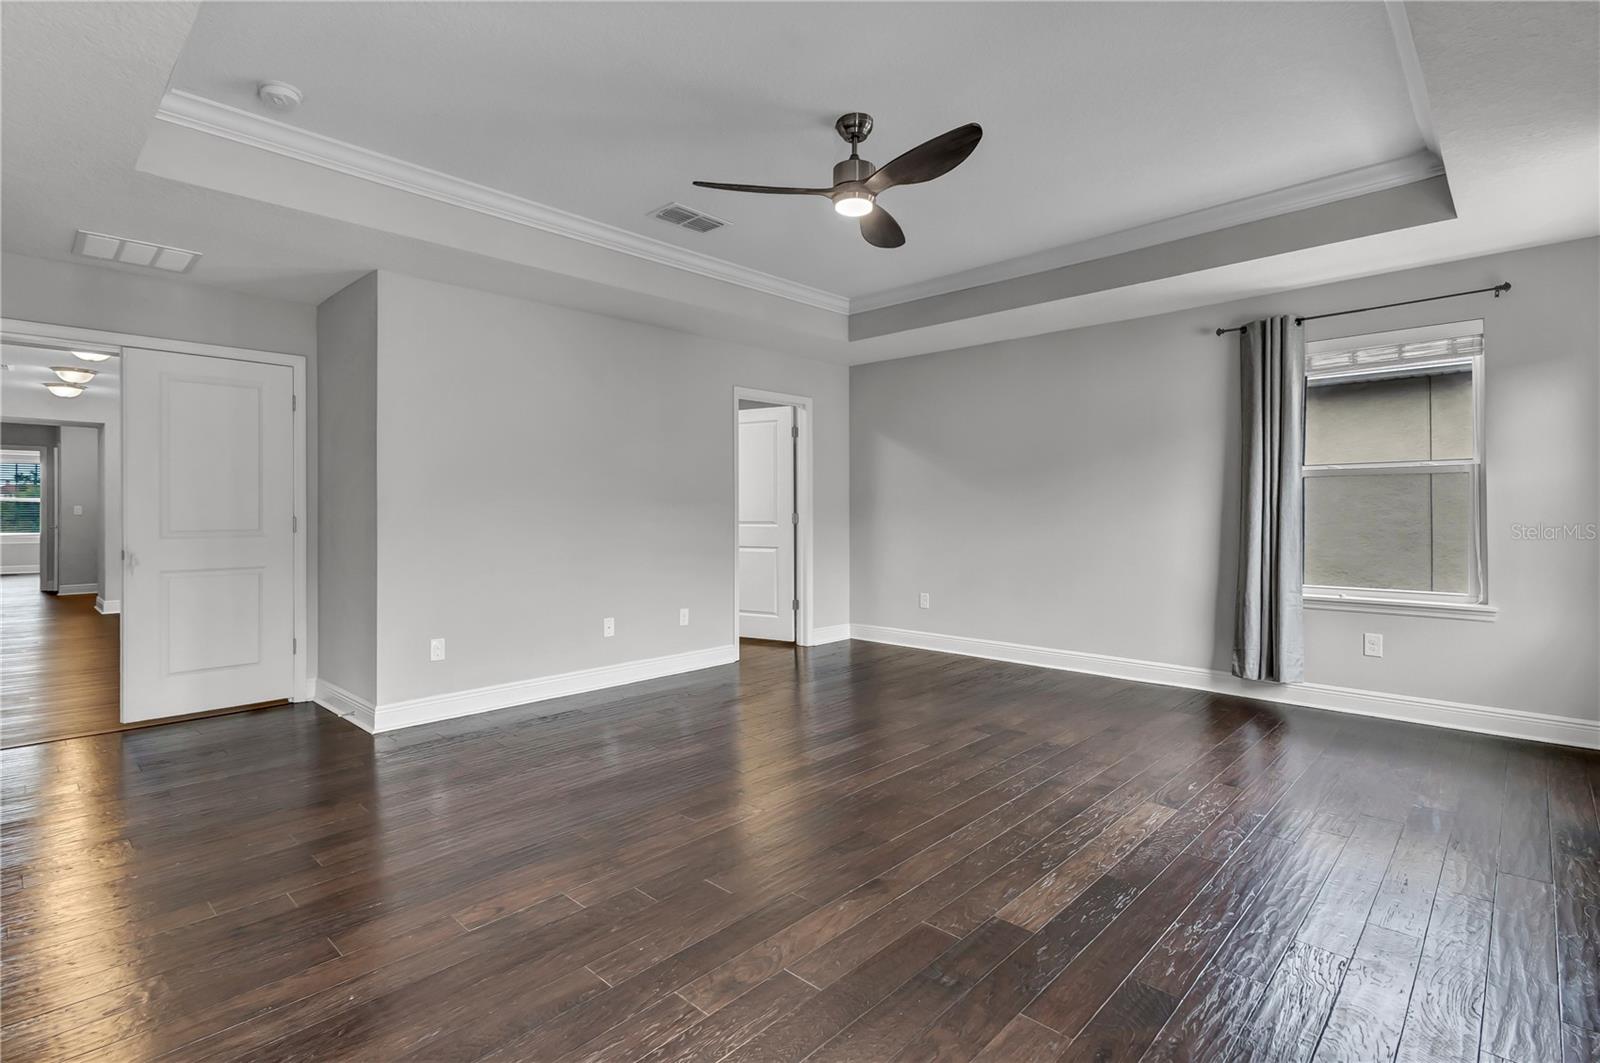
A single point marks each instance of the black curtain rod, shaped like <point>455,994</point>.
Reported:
<point>1497,289</point>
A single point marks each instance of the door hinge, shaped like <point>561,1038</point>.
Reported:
<point>294,645</point>
<point>294,523</point>
<point>794,431</point>
<point>294,403</point>
<point>795,605</point>
<point>794,518</point>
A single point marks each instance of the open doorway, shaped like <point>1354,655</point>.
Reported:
<point>60,527</point>
<point>772,502</point>
<point>202,610</point>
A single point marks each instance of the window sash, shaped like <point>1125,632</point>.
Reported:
<point>1477,563</point>
<point>39,519</point>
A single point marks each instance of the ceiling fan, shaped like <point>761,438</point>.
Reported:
<point>857,183</point>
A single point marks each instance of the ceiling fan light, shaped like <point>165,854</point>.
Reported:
<point>853,204</point>
<point>63,390</point>
<point>72,374</point>
<point>91,356</point>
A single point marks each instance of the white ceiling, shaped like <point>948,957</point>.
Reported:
<point>1510,88</point>
<point>1097,117</point>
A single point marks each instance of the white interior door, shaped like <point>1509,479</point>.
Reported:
<point>766,523</point>
<point>208,515</point>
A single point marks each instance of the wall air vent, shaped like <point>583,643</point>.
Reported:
<point>687,218</point>
<point>133,252</point>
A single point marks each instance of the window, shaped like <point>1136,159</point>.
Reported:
<point>1393,467</point>
<point>19,495</point>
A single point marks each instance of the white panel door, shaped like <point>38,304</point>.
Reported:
<point>208,513</point>
<point>766,523</point>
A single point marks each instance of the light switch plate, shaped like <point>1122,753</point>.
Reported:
<point>609,626</point>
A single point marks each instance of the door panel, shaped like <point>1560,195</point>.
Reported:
<point>766,523</point>
<point>208,515</point>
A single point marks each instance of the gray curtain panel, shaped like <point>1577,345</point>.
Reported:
<point>1268,633</point>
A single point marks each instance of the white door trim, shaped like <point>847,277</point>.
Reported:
<point>41,333</point>
<point>805,634</point>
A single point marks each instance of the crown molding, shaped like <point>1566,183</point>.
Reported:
<point>257,131</point>
<point>1411,67</point>
<point>1359,182</point>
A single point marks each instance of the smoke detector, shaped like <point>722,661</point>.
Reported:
<point>279,95</point>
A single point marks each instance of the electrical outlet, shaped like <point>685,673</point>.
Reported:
<point>436,650</point>
<point>1372,645</point>
<point>77,511</point>
<point>683,618</point>
<point>922,600</point>
<point>609,626</point>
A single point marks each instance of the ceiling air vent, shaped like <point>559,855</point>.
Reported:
<point>687,218</point>
<point>133,252</point>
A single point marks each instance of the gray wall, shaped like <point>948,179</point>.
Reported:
<point>78,484</point>
<point>97,297</point>
<point>347,484</point>
<point>541,468</point>
<point>1079,490</point>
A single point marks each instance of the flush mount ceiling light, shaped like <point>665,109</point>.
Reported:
<point>63,390</point>
<point>853,204</point>
<point>133,252</point>
<point>73,374</point>
<point>91,356</point>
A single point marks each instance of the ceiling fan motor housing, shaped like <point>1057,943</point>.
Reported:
<point>852,169</point>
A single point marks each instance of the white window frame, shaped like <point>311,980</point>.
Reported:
<point>1474,603</point>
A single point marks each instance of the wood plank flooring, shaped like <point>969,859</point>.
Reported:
<point>59,664</point>
<point>855,853</point>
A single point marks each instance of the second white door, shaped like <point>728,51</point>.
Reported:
<point>767,517</point>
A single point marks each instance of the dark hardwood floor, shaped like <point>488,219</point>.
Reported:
<point>852,853</point>
<point>59,665</point>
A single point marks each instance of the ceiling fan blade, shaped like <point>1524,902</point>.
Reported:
<point>771,190</point>
<point>880,229</point>
<point>930,159</point>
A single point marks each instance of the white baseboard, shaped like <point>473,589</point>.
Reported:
<point>19,570</point>
<point>398,714</point>
<point>341,702</point>
<point>107,605</point>
<point>821,636</point>
<point>77,588</point>
<point>1483,719</point>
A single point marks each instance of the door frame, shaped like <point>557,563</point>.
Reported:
<point>804,634</point>
<point>49,518</point>
<point>43,334</point>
